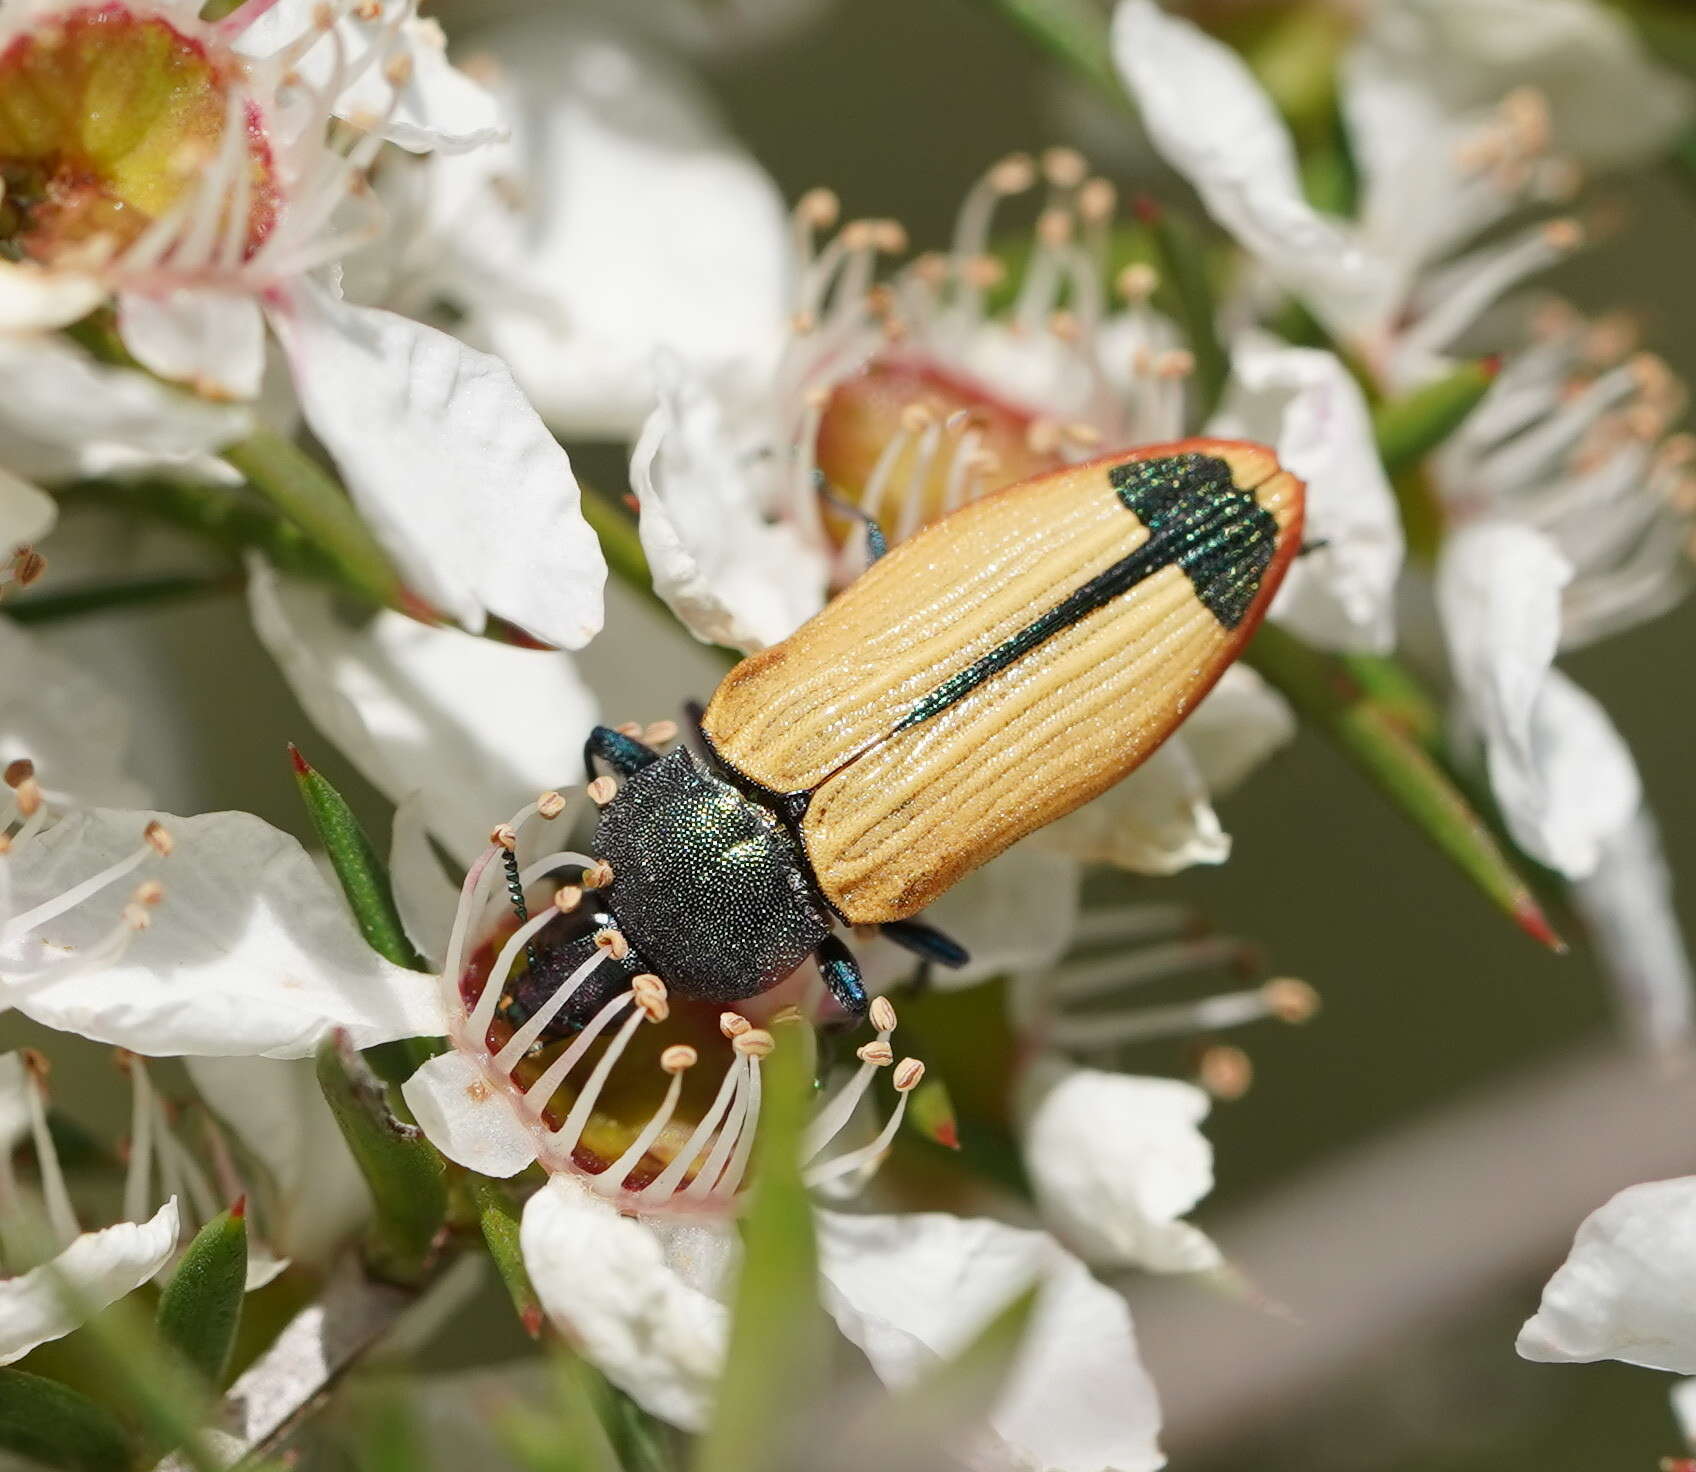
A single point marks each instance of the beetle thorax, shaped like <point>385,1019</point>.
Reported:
<point>708,885</point>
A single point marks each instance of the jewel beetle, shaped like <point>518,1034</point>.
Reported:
<point>1006,664</point>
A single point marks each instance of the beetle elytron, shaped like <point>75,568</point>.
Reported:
<point>991,674</point>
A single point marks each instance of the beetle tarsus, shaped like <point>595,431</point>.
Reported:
<point>841,974</point>
<point>926,942</point>
<point>624,754</point>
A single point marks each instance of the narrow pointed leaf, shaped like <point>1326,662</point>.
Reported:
<point>53,1425</point>
<point>775,1362</point>
<point>406,1176</point>
<point>566,1435</point>
<point>49,608</point>
<point>498,1217</point>
<point>200,1309</point>
<point>1072,31</point>
<point>1181,256</point>
<point>1409,428</point>
<point>1380,742</point>
<point>360,869</point>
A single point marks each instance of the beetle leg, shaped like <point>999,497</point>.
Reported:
<point>876,543</point>
<point>841,974</point>
<point>925,941</point>
<point>624,754</point>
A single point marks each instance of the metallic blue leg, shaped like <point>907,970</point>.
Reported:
<point>926,942</point>
<point>842,975</point>
<point>624,754</point>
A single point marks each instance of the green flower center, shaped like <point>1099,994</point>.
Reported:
<point>110,120</point>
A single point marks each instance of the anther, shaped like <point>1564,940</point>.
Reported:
<point>1225,1071</point>
<point>158,838</point>
<point>602,791</point>
<point>28,566</point>
<point>1290,1000</point>
<point>504,835</point>
<point>149,892</point>
<point>1064,325</point>
<point>1564,234</point>
<point>756,1042</point>
<point>1065,168</point>
<point>37,1063</point>
<point>598,875</point>
<point>1174,363</point>
<point>1138,282</point>
<point>733,1024</point>
<point>678,1058</point>
<point>907,1076</point>
<point>398,71</point>
<point>1013,174</point>
<point>19,772</point>
<point>818,208</point>
<point>567,898</point>
<point>632,729</point>
<point>931,268</point>
<point>1042,437</point>
<point>550,805</point>
<point>660,732</point>
<point>984,273</point>
<point>1054,228</point>
<point>860,234</point>
<point>882,1014</point>
<point>916,418</point>
<point>136,917</point>
<point>1097,200</point>
<point>613,943</point>
<point>1080,433</point>
<point>651,997</point>
<point>889,236</point>
<point>879,1055</point>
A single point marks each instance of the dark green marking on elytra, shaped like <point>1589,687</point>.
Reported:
<point>1220,536</point>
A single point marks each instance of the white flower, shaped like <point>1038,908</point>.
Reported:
<point>1626,1289</point>
<point>1610,102</point>
<point>97,1267</point>
<point>1435,176</point>
<point>621,218</point>
<point>1116,1160</point>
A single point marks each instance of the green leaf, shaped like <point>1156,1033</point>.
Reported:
<point>364,879</point>
<point>1181,255</point>
<point>406,1176</point>
<point>52,1424</point>
<point>200,1308</point>
<point>1409,428</point>
<point>930,1114</point>
<point>774,1366</point>
<point>363,875</point>
<point>1376,734</point>
<point>498,1217</point>
<point>565,1436</point>
<point>1072,31</point>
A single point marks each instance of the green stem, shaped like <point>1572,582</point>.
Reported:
<point>310,498</point>
<point>46,608</point>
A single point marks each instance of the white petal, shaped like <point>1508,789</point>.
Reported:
<point>605,1281</point>
<point>438,106</point>
<point>1610,103</point>
<point>465,1118</point>
<point>1627,1290</point>
<point>476,727</point>
<point>910,1290</point>
<point>1563,777</point>
<point>36,299</point>
<point>1684,1409</point>
<point>1306,404</point>
<point>213,341</point>
<point>1157,821</point>
<point>1240,724</point>
<point>26,514</point>
<point>58,406</point>
<point>101,1267</point>
<point>277,1111</point>
<point>251,951</point>
<point>1116,1160</point>
<point>1628,910</point>
<point>459,479</point>
<point>1210,119</point>
<point>731,576</point>
<point>65,721</point>
<point>643,225</point>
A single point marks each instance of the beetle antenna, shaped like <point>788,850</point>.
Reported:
<point>1318,544</point>
<point>876,543</point>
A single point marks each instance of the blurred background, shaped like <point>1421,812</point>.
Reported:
<point>1409,1167</point>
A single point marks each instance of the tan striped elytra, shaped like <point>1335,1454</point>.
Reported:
<point>897,816</point>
